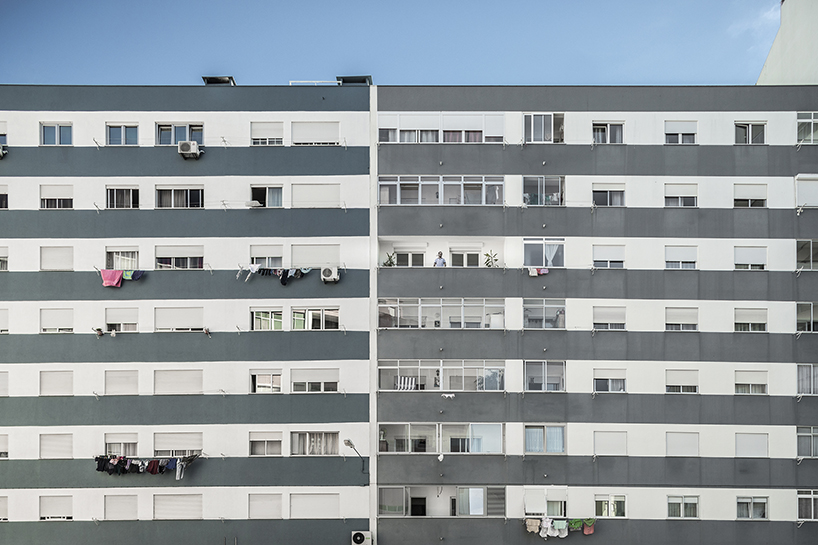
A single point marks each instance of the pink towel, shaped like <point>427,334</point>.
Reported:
<point>110,278</point>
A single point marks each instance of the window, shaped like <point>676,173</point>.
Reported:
<point>122,198</point>
<point>550,439</point>
<point>4,508</point>
<point>267,320</point>
<point>807,379</point>
<point>751,382</point>
<point>806,190</point>
<point>264,506</point>
<point>609,257</point>
<point>544,313</point>
<point>56,197</point>
<point>265,443</point>
<point>544,128</point>
<point>680,132</point>
<point>391,501</point>
<point>543,252</point>
<point>409,258</point>
<point>57,320</point>
<point>4,258</point>
<point>752,445</point>
<point>481,501</point>
<point>177,381</point>
<point>315,318</point>
<point>411,136</point>
<point>682,381</point>
<point>121,507</point>
<point>609,380</point>
<point>54,134</point>
<point>681,319</point>
<point>179,257</point>
<point>170,135</point>
<point>4,446</point>
<point>751,508</point>
<point>267,197</point>
<point>682,507</point>
<point>446,313</point>
<point>682,443</point>
<point>680,257</point>
<point>541,501</point>
<point>807,437</point>
<point>462,136</point>
<point>265,382</point>
<point>750,133</point>
<point>608,194</point>
<point>545,376</point>
<point>609,318</point>
<point>609,506</point>
<point>807,128</point>
<point>807,254</point>
<point>415,438</point>
<point>268,256</point>
<point>56,508</point>
<point>472,438</point>
<point>122,135</point>
<point>269,133</point>
<point>177,444</point>
<point>179,319</point>
<point>807,504</point>
<point>751,319</point>
<point>56,383</point>
<point>750,258</point>
<point>55,446</point>
<point>314,380</point>
<point>122,258</point>
<point>316,133</point>
<point>4,196</point>
<point>465,259</point>
<point>446,375</point>
<point>179,198</point>
<point>124,382</point>
<point>434,190</point>
<point>607,133</point>
<point>314,443</point>
<point>4,329</point>
<point>681,195</point>
<point>121,444</point>
<point>544,190</point>
<point>177,506</point>
<point>3,134</point>
<point>750,196</point>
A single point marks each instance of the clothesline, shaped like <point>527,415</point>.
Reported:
<point>548,527</point>
<point>121,465</point>
<point>284,274</point>
<point>113,278</point>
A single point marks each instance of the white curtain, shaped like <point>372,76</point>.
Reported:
<point>534,440</point>
<point>554,438</point>
<point>550,252</point>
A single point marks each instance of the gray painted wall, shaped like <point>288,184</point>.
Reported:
<point>166,162</point>
<point>200,532</point>
<point>610,160</point>
<point>603,284</point>
<point>213,471</point>
<point>604,345</point>
<point>742,410</point>
<point>199,285</point>
<point>611,98</point>
<point>279,222</point>
<point>201,98</point>
<point>186,409</point>
<point>166,347</point>
<point>604,222</point>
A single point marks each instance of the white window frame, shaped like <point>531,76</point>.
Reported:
<point>544,428</point>
<point>420,375</point>
<point>269,447</point>
<point>464,256</point>
<point>265,202</point>
<point>119,448</point>
<point>751,327</point>
<point>810,433</point>
<point>58,140</point>
<point>807,123</point>
<point>329,445</point>
<point>408,258</point>
<point>114,259</point>
<point>683,502</point>
<point>450,187</point>
<point>749,126</point>
<point>261,317</point>
<point>193,132</point>
<point>265,382</point>
<point>811,497</point>
<point>553,313</point>
<point>548,379</point>
<point>607,502</point>
<point>187,192</point>
<point>556,122</point>
<point>609,193</point>
<point>812,371</point>
<point>606,126</point>
<point>543,243</point>
<point>751,501</point>
<point>310,313</point>
<point>541,197</point>
<point>129,194</point>
<point>681,202</point>
<point>123,130</point>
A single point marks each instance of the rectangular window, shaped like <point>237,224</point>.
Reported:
<point>56,383</point>
<point>807,128</point>
<point>751,508</point>
<point>446,190</point>
<point>124,382</point>
<point>121,444</point>
<point>4,197</point>
<point>177,507</point>
<point>122,320</point>
<point>55,134</point>
<point>265,382</point>
<point>807,254</point>
<point>267,133</point>
<point>681,195</point>
<point>265,443</point>
<point>608,194</point>
<point>179,198</point>
<point>752,445</point>
<point>268,256</point>
<point>480,501</point>
<point>680,257</point>
<point>56,197</point>
<point>750,196</point>
<point>544,313</point>
<point>314,380</point>
<point>391,501</point>
<point>545,128</point>
<point>609,506</point>
<point>267,197</point>
<point>314,443</point>
<point>121,507</point>
<point>3,134</point>
<point>4,258</point>
<point>682,443</point>
<point>56,508</point>
<point>550,439</point>
<point>472,438</point>
<point>806,190</point>
<point>682,381</point>
<point>680,132</point>
<point>170,135</point>
<point>609,318</point>
<point>397,438</point>
<point>751,382</point>
<point>543,252</point>
<point>122,135</point>
<point>750,258</point>
<point>750,133</point>
<point>465,259</point>
<point>179,257</point>
<point>178,381</point>
<point>266,320</point>
<point>808,503</point>
<point>807,437</point>
<point>608,133</point>
<point>264,506</point>
<point>447,313</point>
<point>316,133</point>
<point>57,320</point>
<point>807,379</point>
<point>446,375</point>
<point>609,380</point>
<point>681,319</point>
<point>409,259</point>
<point>751,319</point>
<point>682,507</point>
<point>56,446</point>
<point>4,446</point>
<point>315,319</point>
<point>179,319</point>
<point>544,190</point>
<point>610,443</point>
<point>545,376</point>
<point>122,258</point>
<point>609,257</point>
<point>122,198</point>
<point>177,444</point>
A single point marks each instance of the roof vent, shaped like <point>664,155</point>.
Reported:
<point>354,80</point>
<point>227,81</point>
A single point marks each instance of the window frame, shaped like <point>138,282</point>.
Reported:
<point>58,133</point>
<point>812,500</point>
<point>256,387</point>
<point>265,202</point>
<point>811,325</point>
<point>608,198</point>
<point>543,243</point>
<point>267,444</point>
<point>750,126</point>
<point>187,191</point>
<point>412,313</point>
<point>751,511</point>
<point>608,386</point>
<point>308,442</point>
<point>417,190</point>
<point>683,503</point>
<point>173,129</point>
<point>275,316</point>
<point>545,450</point>
<point>529,128</point>
<point>681,202</point>
<point>130,194</point>
<point>610,501</point>
<point>129,450</point>
<point>813,379</point>
<point>606,126</point>
<point>812,251</point>
<point>175,263</point>
<point>542,195</point>
<point>810,121</point>
<point>115,257</point>
<point>483,372</point>
<point>531,305</point>
<point>123,134</point>
<point>309,317</point>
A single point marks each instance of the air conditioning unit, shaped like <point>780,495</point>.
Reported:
<point>359,538</point>
<point>330,274</point>
<point>189,148</point>
<point>3,151</point>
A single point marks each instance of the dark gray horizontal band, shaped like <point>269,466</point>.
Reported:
<point>480,531</point>
<point>180,532</point>
<point>730,410</point>
<point>263,346</point>
<point>494,221</point>
<point>159,285</point>
<point>603,284</point>
<point>138,98</point>
<point>602,160</point>
<point>631,471</point>
<point>212,471</point>
<point>88,224</point>
<point>166,162</point>
<point>604,345</point>
<point>597,98</point>
<point>189,409</point>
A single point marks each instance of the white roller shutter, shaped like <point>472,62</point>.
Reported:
<point>264,506</point>
<point>681,190</point>
<point>4,189</point>
<point>316,195</point>
<point>681,315</point>
<point>751,315</point>
<point>179,318</point>
<point>612,443</point>
<point>751,445</point>
<point>610,373</point>
<point>316,255</point>
<point>177,441</point>
<point>56,191</point>
<point>266,250</point>
<point>315,375</point>
<point>4,251</point>
<point>57,258</point>
<point>419,121</point>
<point>598,186</point>
<point>266,129</point>
<point>751,377</point>
<point>535,501</point>
<point>121,437</point>
<point>606,253</point>
<point>56,506</point>
<point>4,383</point>
<point>750,191</point>
<point>315,506</point>
<point>750,254</point>
<point>177,381</point>
<point>680,253</point>
<point>177,506</point>
<point>56,383</point>
<point>4,443</point>
<point>806,191</point>
<point>387,121</point>
<point>495,124</point>
<point>121,315</point>
<point>556,493</point>
<point>3,127</point>
<point>680,127</point>
<point>118,383</point>
<point>179,251</point>
<point>120,507</point>
<point>316,132</point>
<point>4,319</point>
<point>682,377</point>
<point>56,445</point>
<point>609,315</point>
<point>122,248</point>
<point>4,508</point>
<point>469,122</point>
<point>682,444</point>
<point>51,318</point>
<point>265,436</point>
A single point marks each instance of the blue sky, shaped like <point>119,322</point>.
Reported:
<point>423,42</point>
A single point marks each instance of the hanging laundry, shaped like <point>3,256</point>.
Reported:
<point>542,271</point>
<point>111,278</point>
<point>127,275</point>
<point>532,271</point>
<point>278,272</point>
<point>306,270</point>
<point>172,463</point>
<point>545,525</point>
<point>153,467</point>
<point>588,528</point>
<point>575,525</point>
<point>532,525</point>
<point>284,277</point>
<point>561,526</point>
<point>137,275</point>
<point>254,267</point>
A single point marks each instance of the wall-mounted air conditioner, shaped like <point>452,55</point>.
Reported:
<point>189,149</point>
<point>330,274</point>
<point>361,538</point>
